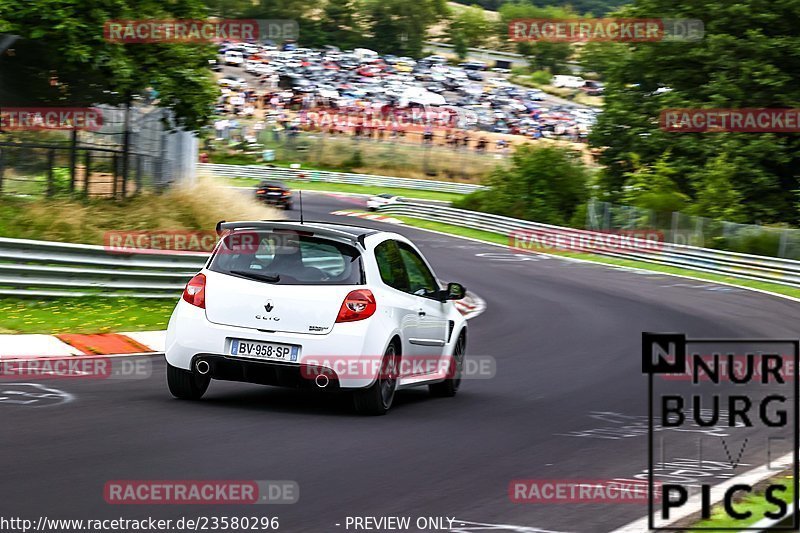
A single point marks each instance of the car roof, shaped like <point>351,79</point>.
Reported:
<point>355,231</point>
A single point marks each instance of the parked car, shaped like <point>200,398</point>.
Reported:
<point>593,88</point>
<point>571,82</point>
<point>235,58</point>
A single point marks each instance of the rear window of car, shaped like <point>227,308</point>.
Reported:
<point>288,259</point>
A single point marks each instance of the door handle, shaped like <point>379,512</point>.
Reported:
<point>421,312</point>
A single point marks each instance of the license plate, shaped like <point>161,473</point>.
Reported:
<point>264,350</point>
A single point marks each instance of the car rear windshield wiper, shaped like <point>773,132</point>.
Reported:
<point>254,275</point>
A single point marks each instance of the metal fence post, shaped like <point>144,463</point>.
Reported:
<point>51,156</point>
<point>139,163</point>
<point>2,168</point>
<point>114,176</point>
<point>73,159</point>
<point>783,243</point>
<point>674,228</point>
<point>87,172</point>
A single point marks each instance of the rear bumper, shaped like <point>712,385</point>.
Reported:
<point>268,372</point>
<point>190,335</point>
<point>274,200</point>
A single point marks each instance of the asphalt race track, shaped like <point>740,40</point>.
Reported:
<point>566,337</point>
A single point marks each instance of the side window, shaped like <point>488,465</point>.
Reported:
<point>421,280</point>
<point>390,265</point>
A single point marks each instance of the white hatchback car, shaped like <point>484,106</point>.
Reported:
<point>317,305</point>
<point>380,200</point>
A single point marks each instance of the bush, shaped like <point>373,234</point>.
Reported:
<point>545,184</point>
<point>353,162</point>
<point>541,77</point>
<point>762,242</point>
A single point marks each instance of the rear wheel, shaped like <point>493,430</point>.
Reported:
<point>185,384</point>
<point>378,398</point>
<point>449,387</point>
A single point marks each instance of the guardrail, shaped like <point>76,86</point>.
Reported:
<point>532,236</point>
<point>280,173</point>
<point>43,268</point>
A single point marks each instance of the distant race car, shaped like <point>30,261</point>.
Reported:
<point>317,305</point>
<point>374,202</point>
<point>274,193</point>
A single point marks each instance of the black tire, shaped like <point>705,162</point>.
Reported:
<point>287,207</point>
<point>377,399</point>
<point>449,387</point>
<point>185,384</point>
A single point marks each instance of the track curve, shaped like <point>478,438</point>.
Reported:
<point>566,336</point>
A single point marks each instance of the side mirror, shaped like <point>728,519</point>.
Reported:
<point>454,291</point>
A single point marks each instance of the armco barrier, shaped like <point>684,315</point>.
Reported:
<point>279,173</point>
<point>783,271</point>
<point>43,268</point>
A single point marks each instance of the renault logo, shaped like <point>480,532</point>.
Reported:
<point>269,307</point>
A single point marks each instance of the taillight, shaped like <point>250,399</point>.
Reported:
<point>357,305</point>
<point>260,191</point>
<point>195,291</point>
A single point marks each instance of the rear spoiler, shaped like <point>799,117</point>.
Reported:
<point>223,227</point>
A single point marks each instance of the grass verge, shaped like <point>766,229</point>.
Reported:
<point>755,503</point>
<point>84,315</point>
<point>358,189</point>
<point>182,208</point>
<point>642,265</point>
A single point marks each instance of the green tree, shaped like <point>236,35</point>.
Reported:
<point>470,27</point>
<point>747,59</point>
<point>715,195</point>
<point>599,56</point>
<point>300,10</point>
<point>64,59</point>
<point>653,187</point>
<point>399,26</point>
<point>340,23</point>
<point>541,55</point>
<point>544,184</point>
<point>228,8</point>
<point>460,46</point>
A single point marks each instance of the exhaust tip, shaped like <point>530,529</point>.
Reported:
<point>202,367</point>
<point>322,381</point>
